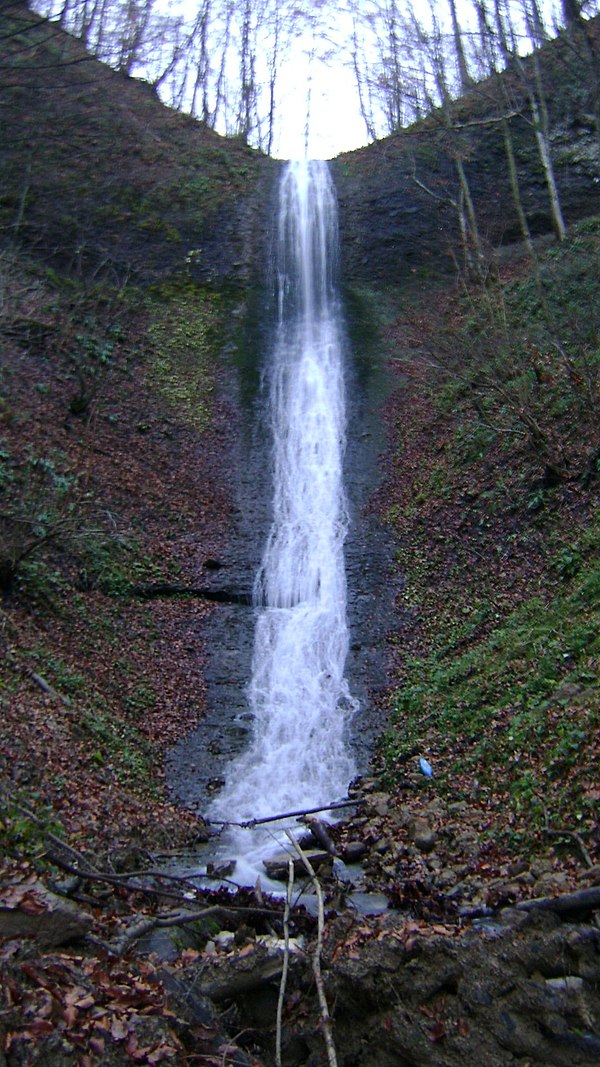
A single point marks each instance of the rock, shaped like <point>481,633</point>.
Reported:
<point>275,945</point>
<point>541,866</point>
<point>368,785</point>
<point>378,804</point>
<point>446,878</point>
<point>32,910</point>
<point>592,875</point>
<point>277,866</point>
<point>569,984</point>
<point>516,868</point>
<point>381,847</point>
<point>422,835</point>
<point>551,882</point>
<point>225,938</point>
<point>190,1004</point>
<point>220,870</point>
<point>403,816</point>
<point>353,851</point>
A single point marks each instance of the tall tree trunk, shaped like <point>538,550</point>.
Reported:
<point>463,71</point>
<point>546,158</point>
<point>515,189</point>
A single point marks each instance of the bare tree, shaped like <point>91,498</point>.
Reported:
<point>531,80</point>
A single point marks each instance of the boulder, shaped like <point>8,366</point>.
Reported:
<point>277,866</point>
<point>378,804</point>
<point>422,835</point>
<point>353,851</point>
<point>32,910</point>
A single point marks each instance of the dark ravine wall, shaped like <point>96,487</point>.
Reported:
<point>105,183</point>
<point>102,181</point>
<point>391,225</point>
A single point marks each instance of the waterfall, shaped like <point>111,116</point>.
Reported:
<point>298,694</point>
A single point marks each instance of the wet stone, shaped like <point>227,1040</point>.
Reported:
<point>277,867</point>
<point>354,851</point>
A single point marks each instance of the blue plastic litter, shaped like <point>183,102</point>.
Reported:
<point>426,767</point>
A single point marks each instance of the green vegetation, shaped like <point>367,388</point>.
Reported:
<point>185,342</point>
<point>501,684</point>
<point>529,357</point>
<point>43,501</point>
<point>24,835</point>
<point>518,708</point>
<point>120,747</point>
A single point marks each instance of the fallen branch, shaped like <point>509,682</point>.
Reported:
<point>251,823</point>
<point>319,832</point>
<point>111,879</point>
<point>587,859</point>
<point>218,596</point>
<point>143,925</point>
<point>286,958</point>
<point>325,1016</point>
<point>37,679</point>
<point>565,904</point>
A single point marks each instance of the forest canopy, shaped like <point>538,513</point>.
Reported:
<point>244,68</point>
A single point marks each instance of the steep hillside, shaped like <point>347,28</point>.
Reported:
<point>399,197</point>
<point>129,236</point>
<point>103,181</point>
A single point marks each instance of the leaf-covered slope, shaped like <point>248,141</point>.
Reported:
<point>99,176</point>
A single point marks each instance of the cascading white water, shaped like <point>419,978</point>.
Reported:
<point>299,697</point>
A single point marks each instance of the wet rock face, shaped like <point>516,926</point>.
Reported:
<point>487,997</point>
<point>397,196</point>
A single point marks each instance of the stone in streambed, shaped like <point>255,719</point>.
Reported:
<point>277,866</point>
<point>220,870</point>
<point>422,835</point>
<point>354,851</point>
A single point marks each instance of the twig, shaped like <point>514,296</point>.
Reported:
<point>587,859</point>
<point>111,879</point>
<point>251,823</point>
<point>52,838</point>
<point>36,678</point>
<point>325,1016</point>
<point>144,924</point>
<point>286,957</point>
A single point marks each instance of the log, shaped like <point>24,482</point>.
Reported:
<point>218,596</point>
<point>319,831</point>
<point>251,823</point>
<point>579,900</point>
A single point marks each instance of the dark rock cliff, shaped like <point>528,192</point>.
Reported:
<point>101,180</point>
<point>397,196</point>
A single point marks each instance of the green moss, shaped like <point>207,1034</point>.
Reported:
<point>518,708</point>
<point>186,340</point>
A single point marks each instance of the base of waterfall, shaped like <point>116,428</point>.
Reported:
<point>474,955</point>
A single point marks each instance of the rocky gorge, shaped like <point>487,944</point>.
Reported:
<point>460,912</point>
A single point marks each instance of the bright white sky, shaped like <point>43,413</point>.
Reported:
<point>336,124</point>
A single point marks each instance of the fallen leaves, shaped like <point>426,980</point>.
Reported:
<point>90,1004</point>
